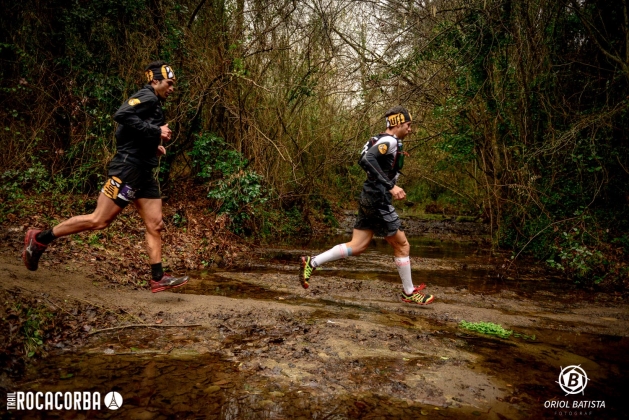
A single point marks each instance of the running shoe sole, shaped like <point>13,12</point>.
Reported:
<point>161,289</point>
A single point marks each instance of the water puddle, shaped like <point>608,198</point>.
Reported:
<point>466,265</point>
<point>207,386</point>
<point>215,284</point>
<point>183,383</point>
<point>421,246</point>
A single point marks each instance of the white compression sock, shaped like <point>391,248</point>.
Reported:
<point>404,268</point>
<point>333,254</point>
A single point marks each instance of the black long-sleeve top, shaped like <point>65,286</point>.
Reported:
<point>139,133</point>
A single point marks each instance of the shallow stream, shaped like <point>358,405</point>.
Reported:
<point>346,349</point>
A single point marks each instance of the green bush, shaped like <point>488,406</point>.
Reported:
<point>575,257</point>
<point>238,191</point>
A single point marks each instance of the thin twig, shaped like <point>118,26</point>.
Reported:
<point>143,325</point>
<point>536,235</point>
<point>104,308</point>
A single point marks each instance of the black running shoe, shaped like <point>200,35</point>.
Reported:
<point>168,282</point>
<point>32,250</point>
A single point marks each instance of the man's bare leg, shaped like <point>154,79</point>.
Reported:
<point>150,210</point>
<point>401,247</point>
<point>36,241</point>
<point>105,213</point>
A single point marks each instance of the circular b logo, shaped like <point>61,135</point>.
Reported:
<point>113,400</point>
<point>573,379</point>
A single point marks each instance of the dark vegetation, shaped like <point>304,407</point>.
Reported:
<point>34,326</point>
<point>520,108</point>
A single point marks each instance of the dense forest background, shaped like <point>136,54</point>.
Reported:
<point>520,108</point>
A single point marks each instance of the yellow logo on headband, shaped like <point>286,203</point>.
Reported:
<point>168,73</point>
<point>396,119</point>
<point>134,101</point>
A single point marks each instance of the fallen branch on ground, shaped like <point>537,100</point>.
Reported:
<point>143,325</point>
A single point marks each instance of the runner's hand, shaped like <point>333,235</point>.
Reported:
<point>166,132</point>
<point>397,193</point>
<point>161,150</point>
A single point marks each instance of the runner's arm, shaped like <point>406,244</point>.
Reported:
<point>129,115</point>
<point>369,163</point>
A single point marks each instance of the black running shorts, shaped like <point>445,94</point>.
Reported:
<point>376,213</point>
<point>126,182</point>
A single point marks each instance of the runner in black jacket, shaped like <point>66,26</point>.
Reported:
<point>131,177</point>
<point>382,159</point>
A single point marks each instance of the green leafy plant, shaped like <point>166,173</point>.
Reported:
<point>179,220</point>
<point>524,336</point>
<point>238,191</point>
<point>33,328</point>
<point>486,328</point>
<point>493,329</point>
<point>574,256</point>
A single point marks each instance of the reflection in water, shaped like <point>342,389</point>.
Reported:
<point>205,386</point>
<point>212,283</point>
<point>421,247</point>
<point>480,277</point>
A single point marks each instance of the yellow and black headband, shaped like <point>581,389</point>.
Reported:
<point>396,119</point>
<point>159,73</point>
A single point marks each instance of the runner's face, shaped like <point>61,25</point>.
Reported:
<point>404,130</point>
<point>163,88</point>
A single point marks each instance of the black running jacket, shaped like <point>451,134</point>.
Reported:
<point>138,133</point>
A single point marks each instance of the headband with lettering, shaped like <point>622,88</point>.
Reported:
<point>396,119</point>
<point>159,73</point>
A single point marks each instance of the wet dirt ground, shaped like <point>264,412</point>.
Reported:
<point>249,342</point>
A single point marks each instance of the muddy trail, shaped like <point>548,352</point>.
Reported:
<point>249,342</point>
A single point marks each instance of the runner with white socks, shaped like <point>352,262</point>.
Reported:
<point>382,159</point>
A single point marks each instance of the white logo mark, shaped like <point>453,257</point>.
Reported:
<point>113,400</point>
<point>573,380</point>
